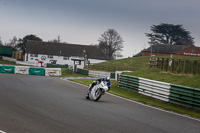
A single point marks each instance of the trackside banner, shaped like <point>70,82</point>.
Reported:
<point>7,69</point>
<point>52,71</point>
<point>22,70</point>
<point>37,71</point>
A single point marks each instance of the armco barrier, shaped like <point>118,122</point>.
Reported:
<point>7,69</point>
<point>52,71</point>
<point>185,96</point>
<point>155,89</point>
<point>22,70</point>
<point>82,71</point>
<point>37,71</point>
<point>129,82</point>
<point>98,74</point>
<point>181,95</point>
<point>57,66</point>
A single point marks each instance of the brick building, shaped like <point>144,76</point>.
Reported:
<point>176,50</point>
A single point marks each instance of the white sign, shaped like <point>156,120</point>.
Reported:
<point>192,54</point>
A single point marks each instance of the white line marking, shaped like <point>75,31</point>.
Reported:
<point>2,131</point>
<point>186,116</point>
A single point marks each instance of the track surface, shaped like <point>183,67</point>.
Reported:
<point>37,104</point>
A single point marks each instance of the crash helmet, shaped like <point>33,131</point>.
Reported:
<point>107,79</point>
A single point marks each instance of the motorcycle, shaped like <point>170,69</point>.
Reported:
<point>97,91</point>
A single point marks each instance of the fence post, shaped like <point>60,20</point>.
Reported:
<point>172,66</point>
<point>162,64</point>
<point>167,64</point>
<point>186,66</point>
<point>195,67</point>
<point>158,63</point>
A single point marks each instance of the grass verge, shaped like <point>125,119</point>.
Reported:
<point>7,62</point>
<point>144,99</point>
<point>179,79</point>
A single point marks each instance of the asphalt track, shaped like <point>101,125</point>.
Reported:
<point>37,104</point>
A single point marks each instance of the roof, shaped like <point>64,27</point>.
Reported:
<point>166,49</point>
<point>64,49</point>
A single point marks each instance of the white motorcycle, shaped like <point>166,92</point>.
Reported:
<point>97,91</point>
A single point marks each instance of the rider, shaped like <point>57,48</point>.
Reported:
<point>107,79</point>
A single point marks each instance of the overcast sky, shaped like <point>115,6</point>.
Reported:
<point>83,21</point>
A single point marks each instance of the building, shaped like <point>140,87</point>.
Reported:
<point>62,53</point>
<point>176,50</point>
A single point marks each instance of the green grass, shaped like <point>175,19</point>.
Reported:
<point>144,99</point>
<point>141,69</point>
<point>7,62</point>
<point>179,79</point>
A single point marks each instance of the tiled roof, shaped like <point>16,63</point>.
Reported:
<point>166,49</point>
<point>63,49</point>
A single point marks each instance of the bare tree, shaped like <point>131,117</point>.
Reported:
<point>111,43</point>
<point>13,42</point>
<point>1,42</point>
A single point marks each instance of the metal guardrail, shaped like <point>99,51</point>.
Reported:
<point>181,95</point>
<point>155,89</point>
<point>185,96</point>
<point>98,74</point>
<point>129,82</point>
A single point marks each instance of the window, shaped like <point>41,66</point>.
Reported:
<point>192,51</point>
<point>34,55</point>
<point>78,62</point>
<point>65,58</point>
<point>50,56</point>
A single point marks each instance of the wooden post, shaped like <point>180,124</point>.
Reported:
<point>158,63</point>
<point>167,64</point>
<point>195,67</point>
<point>172,65</point>
<point>162,64</point>
<point>186,66</point>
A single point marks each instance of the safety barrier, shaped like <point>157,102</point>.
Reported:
<point>155,89</point>
<point>57,66</point>
<point>30,70</point>
<point>22,70</point>
<point>7,69</point>
<point>181,95</point>
<point>82,71</point>
<point>97,74</point>
<point>129,82</point>
<point>52,71</point>
<point>185,96</point>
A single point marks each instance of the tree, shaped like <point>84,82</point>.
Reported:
<point>1,42</point>
<point>12,42</point>
<point>170,34</point>
<point>22,42</point>
<point>111,43</point>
